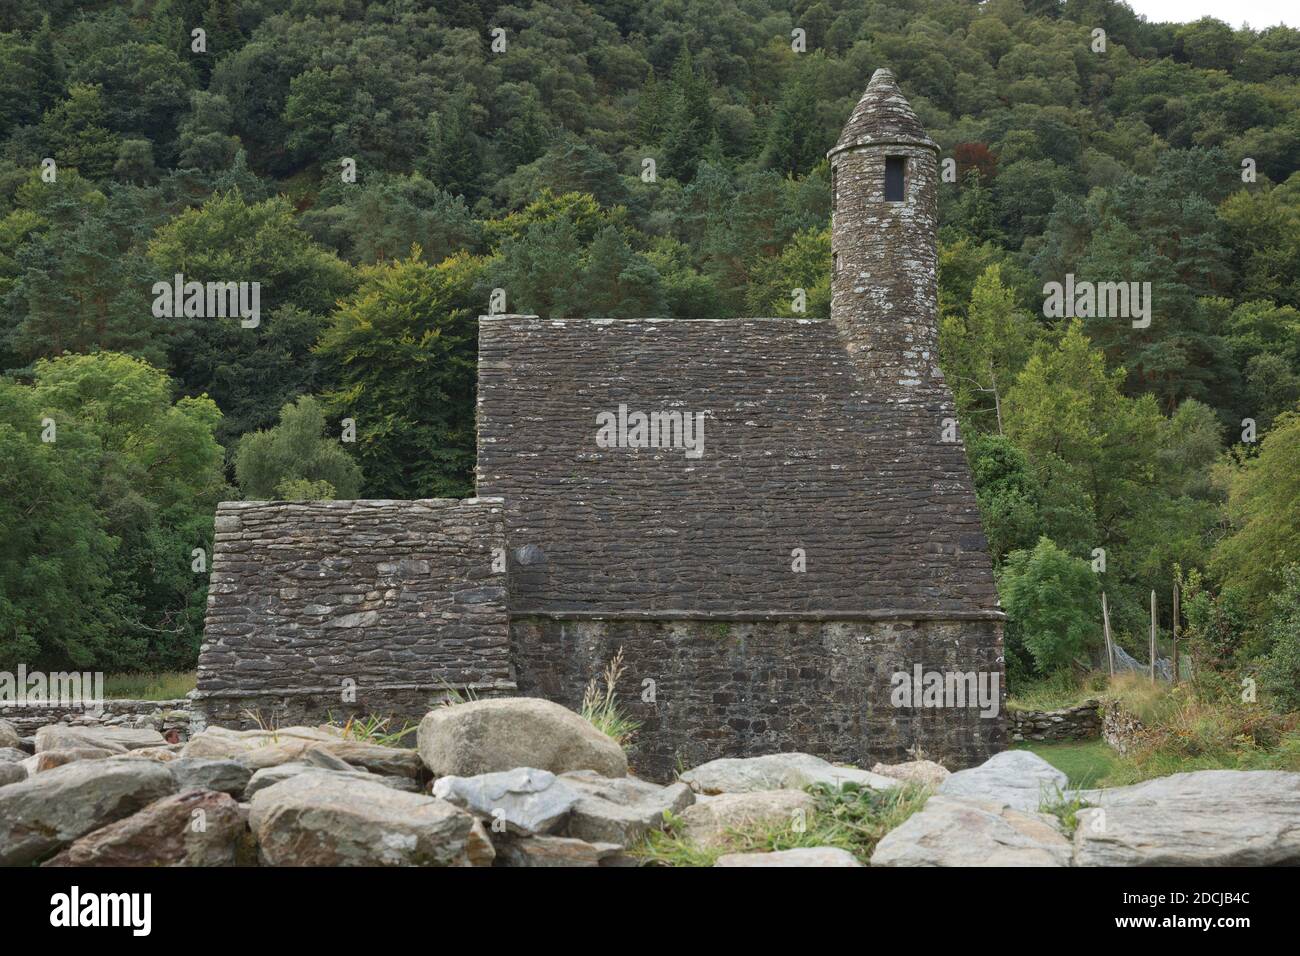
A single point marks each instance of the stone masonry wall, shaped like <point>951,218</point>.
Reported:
<point>327,608</point>
<point>171,718</point>
<point>1121,729</point>
<point>1081,722</point>
<point>727,688</point>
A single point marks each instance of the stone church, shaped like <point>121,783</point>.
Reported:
<point>772,519</point>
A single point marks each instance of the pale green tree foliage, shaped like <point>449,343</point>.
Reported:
<point>984,348</point>
<point>296,459</point>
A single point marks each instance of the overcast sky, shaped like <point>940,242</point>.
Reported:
<point>1258,13</point>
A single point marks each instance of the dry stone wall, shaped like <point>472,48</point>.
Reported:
<point>334,607</point>
<point>171,718</point>
<point>1081,722</point>
<point>1121,728</point>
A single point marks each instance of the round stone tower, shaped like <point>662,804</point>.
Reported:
<point>884,292</point>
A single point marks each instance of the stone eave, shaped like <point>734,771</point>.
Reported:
<point>864,141</point>
<point>874,614</point>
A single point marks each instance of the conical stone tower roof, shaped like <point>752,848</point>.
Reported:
<point>883,116</point>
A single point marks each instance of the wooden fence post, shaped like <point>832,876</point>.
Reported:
<point>1175,630</point>
<point>1105,620</point>
<point>1153,635</point>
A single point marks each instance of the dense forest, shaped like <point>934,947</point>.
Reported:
<point>380,168</point>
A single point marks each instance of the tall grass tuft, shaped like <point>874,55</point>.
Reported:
<point>601,709</point>
<point>372,729</point>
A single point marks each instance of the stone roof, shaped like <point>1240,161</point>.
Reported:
<point>797,455</point>
<point>883,115</point>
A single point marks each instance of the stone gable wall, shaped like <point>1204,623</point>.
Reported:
<point>394,601</point>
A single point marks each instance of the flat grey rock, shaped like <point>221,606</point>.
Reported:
<point>802,856</point>
<point>777,772</point>
<point>270,776</point>
<point>1013,778</point>
<point>552,851</point>
<point>527,801</point>
<point>163,834</point>
<point>327,818</point>
<point>621,810</point>
<point>114,739</point>
<point>710,822</point>
<point>959,831</point>
<point>1203,818</point>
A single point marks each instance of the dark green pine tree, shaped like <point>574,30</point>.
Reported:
<point>652,111</point>
<point>526,135</point>
<point>618,283</point>
<point>794,144</point>
<point>977,213</point>
<point>47,68</point>
<point>690,123</point>
<point>455,156</point>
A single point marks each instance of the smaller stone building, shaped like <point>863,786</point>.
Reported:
<point>329,608</point>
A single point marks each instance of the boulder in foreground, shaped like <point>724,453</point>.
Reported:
<point>1014,778</point>
<point>325,818</point>
<point>557,851</point>
<point>709,822</point>
<point>491,736</point>
<point>166,833</point>
<point>784,771</point>
<point>1204,818</point>
<point>49,810</point>
<point>955,831</point>
<point>200,773</point>
<point>525,800</point>
<point>621,810</point>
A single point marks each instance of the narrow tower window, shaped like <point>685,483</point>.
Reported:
<point>835,186</point>
<point>835,263</point>
<point>894,167</point>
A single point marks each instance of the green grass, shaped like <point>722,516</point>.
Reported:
<point>373,729</point>
<point>601,708</point>
<point>1184,734</point>
<point>850,818</point>
<point>1063,689</point>
<point>1065,807</point>
<point>169,685</point>
<point>1087,763</point>
<point>1189,729</point>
